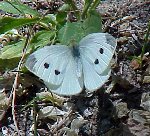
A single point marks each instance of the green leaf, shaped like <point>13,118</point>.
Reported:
<point>12,51</point>
<point>77,30</point>
<point>93,23</point>
<point>64,7</point>
<point>49,19</point>
<point>8,23</point>
<point>42,38</point>
<point>72,4</point>
<point>6,64</point>
<point>61,18</point>
<point>10,55</point>
<point>71,31</point>
<point>17,8</point>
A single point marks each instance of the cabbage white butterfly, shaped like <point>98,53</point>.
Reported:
<point>66,70</point>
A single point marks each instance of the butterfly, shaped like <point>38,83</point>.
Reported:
<point>67,70</point>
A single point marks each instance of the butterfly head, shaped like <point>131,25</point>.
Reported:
<point>75,51</point>
<point>74,48</point>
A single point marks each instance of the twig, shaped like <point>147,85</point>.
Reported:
<point>13,94</point>
<point>67,118</point>
<point>35,117</point>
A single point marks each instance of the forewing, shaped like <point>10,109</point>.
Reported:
<point>100,37</point>
<point>98,48</point>
<point>49,63</point>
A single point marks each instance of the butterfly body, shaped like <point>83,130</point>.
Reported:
<point>67,70</point>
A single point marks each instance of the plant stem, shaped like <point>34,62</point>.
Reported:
<point>85,9</point>
<point>95,4</point>
<point>145,43</point>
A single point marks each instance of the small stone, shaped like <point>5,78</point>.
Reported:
<point>146,79</point>
<point>121,109</point>
<point>135,64</point>
<point>145,101</point>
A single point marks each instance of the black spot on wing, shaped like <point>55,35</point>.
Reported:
<point>46,65</point>
<point>57,72</point>
<point>101,50</point>
<point>96,61</point>
<point>31,61</point>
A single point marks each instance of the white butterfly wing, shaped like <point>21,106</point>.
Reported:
<point>49,63</point>
<point>99,37</point>
<point>92,79</point>
<point>63,73</point>
<point>72,84</point>
<point>98,48</point>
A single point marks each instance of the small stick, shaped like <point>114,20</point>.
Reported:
<point>13,93</point>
